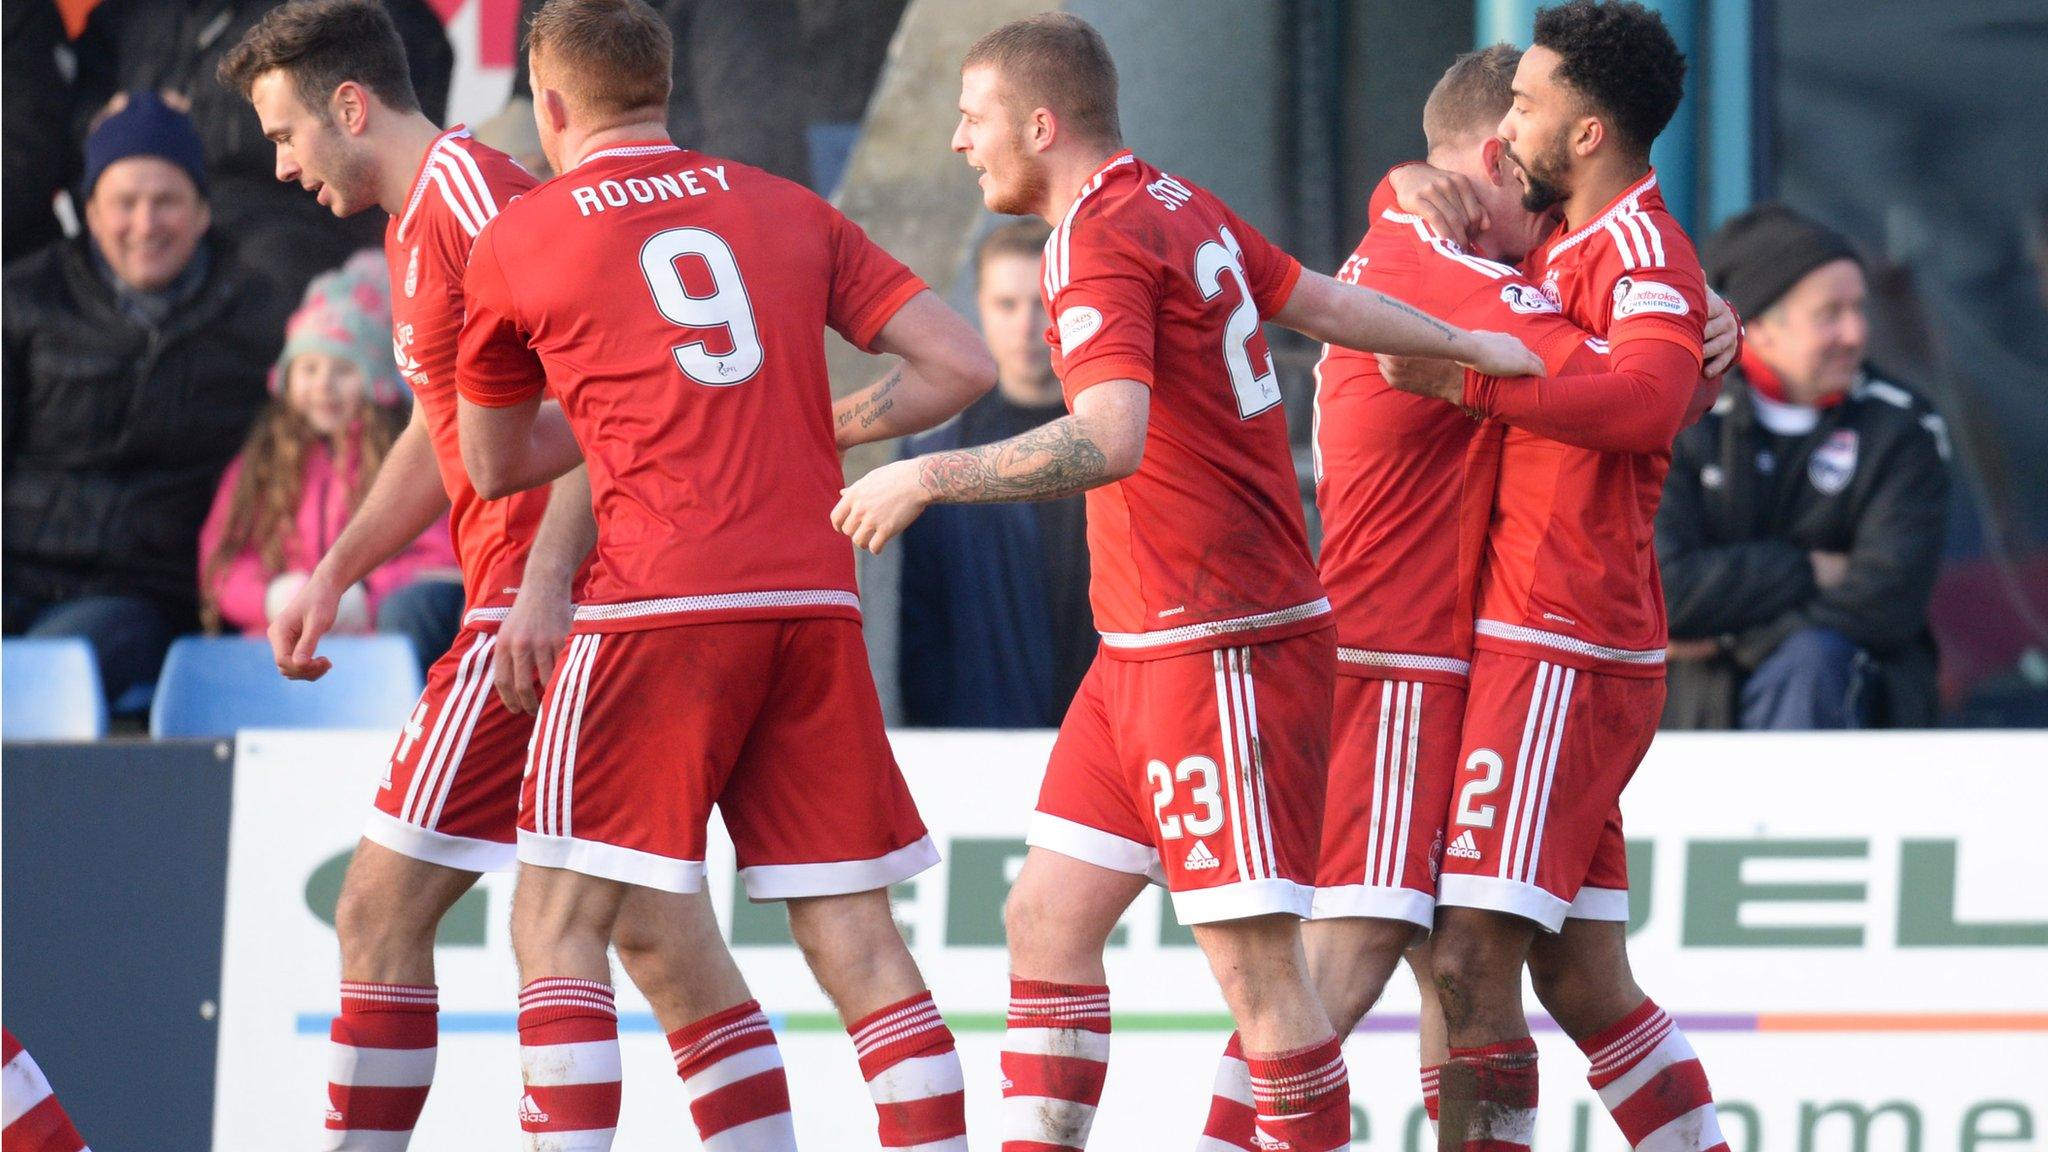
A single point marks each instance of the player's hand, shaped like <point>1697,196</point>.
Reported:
<point>1424,376</point>
<point>1499,354</point>
<point>529,642</point>
<point>880,505</point>
<point>1718,351</point>
<point>296,631</point>
<point>1444,200</point>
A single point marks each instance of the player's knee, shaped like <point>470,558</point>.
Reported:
<point>370,920</point>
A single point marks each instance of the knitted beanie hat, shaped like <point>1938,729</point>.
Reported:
<point>347,313</point>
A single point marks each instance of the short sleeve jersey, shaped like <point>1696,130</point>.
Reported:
<point>1571,572</point>
<point>1403,483</point>
<point>461,185</point>
<point>676,305</point>
<point>1152,279</point>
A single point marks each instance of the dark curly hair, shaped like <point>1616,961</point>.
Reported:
<point>1618,56</point>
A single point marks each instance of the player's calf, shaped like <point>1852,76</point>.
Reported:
<point>1487,1087</point>
<point>1294,1061</point>
<point>568,1019</point>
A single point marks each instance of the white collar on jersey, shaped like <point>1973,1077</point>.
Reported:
<point>426,176</point>
<point>627,150</point>
<point>1624,203</point>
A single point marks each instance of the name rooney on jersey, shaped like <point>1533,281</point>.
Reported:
<point>635,190</point>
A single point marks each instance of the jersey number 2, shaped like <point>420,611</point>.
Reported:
<point>1244,348</point>
<point>720,318</point>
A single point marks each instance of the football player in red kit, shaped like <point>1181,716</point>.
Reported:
<point>1195,751</point>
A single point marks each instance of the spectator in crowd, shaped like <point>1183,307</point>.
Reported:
<point>312,455</point>
<point>996,630</point>
<point>739,86</point>
<point>1803,518</point>
<point>135,357</point>
<point>34,109</point>
<point>174,47</point>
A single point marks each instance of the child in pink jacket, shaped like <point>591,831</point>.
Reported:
<point>309,459</point>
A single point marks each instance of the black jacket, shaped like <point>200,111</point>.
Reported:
<point>1741,512</point>
<point>116,433</point>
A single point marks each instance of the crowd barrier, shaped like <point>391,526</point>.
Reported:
<point>1852,928</point>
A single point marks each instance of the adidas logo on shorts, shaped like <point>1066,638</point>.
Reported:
<point>529,1111</point>
<point>1200,859</point>
<point>1463,847</point>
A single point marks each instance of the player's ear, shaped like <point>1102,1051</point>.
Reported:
<point>1493,152</point>
<point>549,103</point>
<point>349,107</point>
<point>1043,130</point>
<point>1591,134</point>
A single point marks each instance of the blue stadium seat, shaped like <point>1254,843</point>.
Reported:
<point>52,690</point>
<point>213,686</point>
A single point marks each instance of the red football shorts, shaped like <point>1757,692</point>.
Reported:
<point>1535,818</point>
<point>1393,752</point>
<point>775,722</point>
<point>1202,771</point>
<point>451,793</point>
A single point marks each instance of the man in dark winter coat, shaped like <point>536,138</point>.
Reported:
<point>135,360</point>
<point>1803,518</point>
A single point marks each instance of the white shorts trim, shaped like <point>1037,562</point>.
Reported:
<point>1242,900</point>
<point>722,602</point>
<point>838,877</point>
<point>611,862</point>
<point>1413,661</point>
<point>1599,904</point>
<point>1094,846</point>
<point>1502,630</point>
<point>492,616</point>
<point>1373,902</point>
<point>1462,890</point>
<point>1214,628</point>
<point>461,853</point>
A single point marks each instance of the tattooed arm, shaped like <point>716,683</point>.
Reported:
<point>1354,317</point>
<point>1103,441</point>
<point>945,368</point>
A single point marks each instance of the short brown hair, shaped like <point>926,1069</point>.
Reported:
<point>322,44</point>
<point>608,56</point>
<point>1474,93</point>
<point>1057,61</point>
<point>1024,237</point>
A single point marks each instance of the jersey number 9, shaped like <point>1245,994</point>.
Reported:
<point>720,318</point>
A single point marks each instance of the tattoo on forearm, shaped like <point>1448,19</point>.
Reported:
<point>1046,463</point>
<point>873,405</point>
<point>1449,333</point>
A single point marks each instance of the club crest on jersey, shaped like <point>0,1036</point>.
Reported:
<point>412,273</point>
<point>1526,300</point>
<point>1833,464</point>
<point>1549,288</point>
<point>1633,297</point>
<point>1077,324</point>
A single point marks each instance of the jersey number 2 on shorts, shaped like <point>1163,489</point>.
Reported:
<point>1470,812</point>
<point>1244,347</point>
<point>1208,796</point>
<point>720,318</point>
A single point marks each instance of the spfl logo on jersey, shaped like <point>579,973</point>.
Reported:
<point>1633,297</point>
<point>1526,300</point>
<point>1833,464</point>
<point>1077,324</point>
<point>412,273</point>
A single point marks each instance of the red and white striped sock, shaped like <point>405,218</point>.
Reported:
<point>1431,1075</point>
<point>913,1073</point>
<point>1229,1127</point>
<point>1303,1098</point>
<point>1054,1059</point>
<point>380,1063</point>
<point>1491,1093</point>
<point>739,1094</point>
<point>1653,1084</point>
<point>34,1121</point>
<point>569,1050</point>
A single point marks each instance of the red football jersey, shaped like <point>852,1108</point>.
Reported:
<point>678,303</point>
<point>1403,485</point>
<point>461,185</point>
<point>1571,572</point>
<point>1152,279</point>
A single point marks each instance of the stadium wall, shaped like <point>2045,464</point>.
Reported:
<point>1850,927</point>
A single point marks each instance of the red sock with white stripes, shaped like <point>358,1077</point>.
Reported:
<point>1229,1127</point>
<point>1303,1098</point>
<point>1431,1075</point>
<point>36,1122</point>
<point>569,1050</point>
<point>913,1073</point>
<point>380,1064</point>
<point>1653,1084</point>
<point>739,1094</point>
<point>1489,1096</point>
<point>1054,1059</point>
